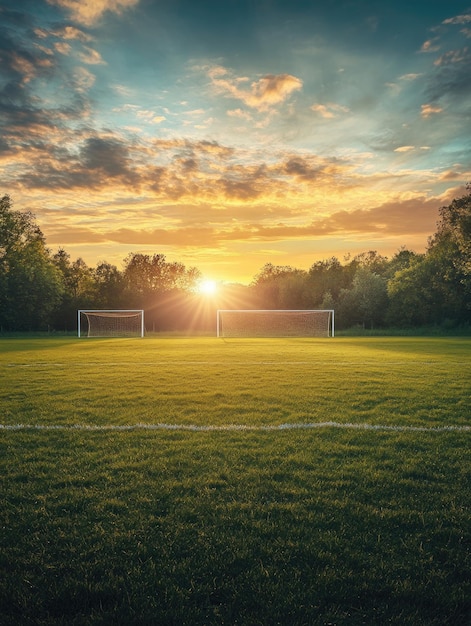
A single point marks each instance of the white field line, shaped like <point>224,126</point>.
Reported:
<point>232,427</point>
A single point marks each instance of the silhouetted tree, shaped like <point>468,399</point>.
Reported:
<point>30,284</point>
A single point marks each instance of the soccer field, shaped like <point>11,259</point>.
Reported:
<point>171,480</point>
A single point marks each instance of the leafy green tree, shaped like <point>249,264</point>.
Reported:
<point>30,284</point>
<point>109,287</point>
<point>424,294</point>
<point>328,276</point>
<point>452,244</point>
<point>293,291</point>
<point>366,302</point>
<point>435,288</point>
<point>372,261</point>
<point>280,286</point>
<point>146,275</point>
<point>79,289</point>
<point>412,295</point>
<point>401,260</point>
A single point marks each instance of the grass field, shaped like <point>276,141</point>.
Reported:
<point>195,481</point>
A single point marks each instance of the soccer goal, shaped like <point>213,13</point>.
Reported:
<point>111,323</point>
<point>275,323</point>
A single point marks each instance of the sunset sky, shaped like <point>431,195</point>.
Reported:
<point>227,134</point>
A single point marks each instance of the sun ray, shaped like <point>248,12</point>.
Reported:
<point>208,287</point>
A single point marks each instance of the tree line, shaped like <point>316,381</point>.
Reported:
<point>42,290</point>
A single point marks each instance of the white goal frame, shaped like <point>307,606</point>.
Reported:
<point>112,313</point>
<point>330,330</point>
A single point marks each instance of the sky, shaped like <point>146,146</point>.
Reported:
<point>227,134</point>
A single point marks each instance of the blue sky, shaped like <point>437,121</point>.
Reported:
<point>230,134</point>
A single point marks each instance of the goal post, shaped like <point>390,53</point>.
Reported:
<point>110,323</point>
<point>275,323</point>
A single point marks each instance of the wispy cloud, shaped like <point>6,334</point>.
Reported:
<point>431,45</point>
<point>404,149</point>
<point>330,110</point>
<point>90,57</point>
<point>88,12</point>
<point>459,19</point>
<point>71,33</point>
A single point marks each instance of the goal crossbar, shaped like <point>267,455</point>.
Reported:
<point>111,322</point>
<point>275,323</point>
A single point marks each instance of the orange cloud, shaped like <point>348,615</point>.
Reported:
<point>404,149</point>
<point>264,93</point>
<point>330,110</point>
<point>87,12</point>
<point>428,109</point>
<point>392,219</point>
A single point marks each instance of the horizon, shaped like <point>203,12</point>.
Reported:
<point>231,136</point>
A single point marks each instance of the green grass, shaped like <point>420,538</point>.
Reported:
<point>293,526</point>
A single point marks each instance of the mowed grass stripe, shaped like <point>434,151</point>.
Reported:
<point>423,382</point>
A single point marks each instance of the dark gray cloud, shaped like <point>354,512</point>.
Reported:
<point>27,117</point>
<point>109,156</point>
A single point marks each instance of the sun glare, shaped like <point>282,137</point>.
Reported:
<point>207,287</point>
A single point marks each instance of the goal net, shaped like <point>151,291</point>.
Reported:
<point>275,323</point>
<point>116,323</point>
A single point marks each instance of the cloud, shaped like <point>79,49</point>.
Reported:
<point>150,116</point>
<point>330,110</point>
<point>404,149</point>
<point>453,56</point>
<point>426,110</point>
<point>63,48</point>
<point>459,19</point>
<point>240,114</point>
<point>451,80</point>
<point>88,12</point>
<point>71,33</point>
<point>84,79</point>
<point>392,219</point>
<point>91,57</point>
<point>63,235</point>
<point>109,156</point>
<point>431,45</point>
<point>410,77</point>
<point>267,92</point>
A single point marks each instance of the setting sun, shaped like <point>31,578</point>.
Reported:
<point>207,287</point>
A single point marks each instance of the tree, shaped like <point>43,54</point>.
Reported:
<point>146,275</point>
<point>79,289</point>
<point>30,284</point>
<point>280,287</point>
<point>293,291</point>
<point>366,302</point>
<point>327,276</point>
<point>371,260</point>
<point>452,242</point>
<point>421,294</point>
<point>109,286</point>
<point>401,260</point>
<point>160,287</point>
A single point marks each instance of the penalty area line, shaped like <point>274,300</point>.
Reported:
<point>232,427</point>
